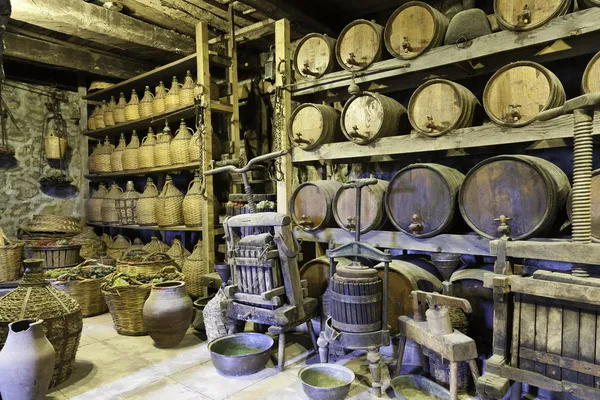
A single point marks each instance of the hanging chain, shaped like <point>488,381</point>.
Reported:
<point>200,103</point>
<point>276,172</point>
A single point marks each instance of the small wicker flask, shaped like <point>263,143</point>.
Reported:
<point>162,149</point>
<point>146,150</point>
<point>109,117</point>
<point>146,205</point>
<point>132,110</point>
<point>180,145</point>
<point>146,103</point>
<point>186,94</point>
<point>158,104</point>
<point>130,154</point>
<point>169,205</point>
<point>116,158</point>
<point>100,116</point>
<point>103,156</point>
<point>119,112</point>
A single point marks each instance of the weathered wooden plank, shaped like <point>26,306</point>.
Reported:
<point>527,334</point>
<point>142,171</point>
<point>73,57</point>
<point>570,344</point>
<point>587,343</point>
<point>554,344</point>
<point>154,12</point>
<point>83,146</point>
<point>552,249</point>
<point>461,244</point>
<point>248,33</point>
<point>563,362</point>
<point>198,13</point>
<point>501,303</point>
<point>541,332</point>
<point>95,23</point>
<point>488,134</point>
<point>516,325</point>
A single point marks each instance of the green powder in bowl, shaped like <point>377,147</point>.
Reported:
<point>322,379</point>
<point>239,349</point>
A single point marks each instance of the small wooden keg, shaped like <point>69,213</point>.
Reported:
<point>421,199</point>
<point>312,125</point>
<point>595,205</point>
<point>314,56</point>
<point>529,190</point>
<point>519,91</point>
<point>523,15</point>
<point>372,213</point>
<point>359,45</point>
<point>591,77</point>
<point>368,116</point>
<point>310,204</point>
<point>316,273</point>
<point>413,28</point>
<point>439,106</point>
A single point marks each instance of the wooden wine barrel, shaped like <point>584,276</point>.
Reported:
<point>427,191</point>
<point>529,190</point>
<point>439,106</point>
<point>372,213</point>
<point>519,91</point>
<point>369,116</point>
<point>588,3</point>
<point>359,45</point>
<point>595,205</point>
<point>315,56</point>
<point>413,28</point>
<point>591,77</point>
<point>523,15</point>
<point>310,204</point>
<point>312,125</point>
<point>405,276</point>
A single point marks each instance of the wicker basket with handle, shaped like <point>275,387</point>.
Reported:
<point>108,241</point>
<point>156,246</point>
<point>146,150</point>
<point>90,242</point>
<point>146,103</point>
<point>178,252</point>
<point>11,255</point>
<point>162,148</point>
<point>118,247</point>
<point>99,118</point>
<point>119,112</point>
<point>192,203</point>
<point>109,205</point>
<point>180,145</point>
<point>103,156</point>
<point>130,154</point>
<point>94,204</point>
<point>55,146</point>
<point>169,205</point>
<point>146,205</point>
<point>126,205</point>
<point>92,119</point>
<point>172,100</point>
<point>132,109</point>
<point>116,158</point>
<point>193,269</point>
<point>109,114</point>
<point>158,104</point>
<point>186,93</point>
<point>140,262</point>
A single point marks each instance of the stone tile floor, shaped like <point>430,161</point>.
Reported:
<point>111,366</point>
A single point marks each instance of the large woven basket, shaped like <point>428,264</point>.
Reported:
<point>139,262</point>
<point>169,205</point>
<point>193,269</point>
<point>94,204</point>
<point>100,116</point>
<point>57,256</point>
<point>109,114</point>
<point>186,94</point>
<point>55,147</point>
<point>109,205</point>
<point>146,205</point>
<point>52,223</point>
<point>116,157</point>
<point>162,148</point>
<point>178,252</point>
<point>125,303</point>
<point>146,103</point>
<point>192,203</point>
<point>146,150</point>
<point>180,145</point>
<point>103,156</point>
<point>132,109</point>
<point>172,100</point>
<point>158,104</point>
<point>130,158</point>
<point>155,245</point>
<point>119,245</point>
<point>119,112</point>
<point>11,255</point>
<point>126,205</point>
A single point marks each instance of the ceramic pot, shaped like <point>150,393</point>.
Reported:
<point>167,313</point>
<point>26,361</point>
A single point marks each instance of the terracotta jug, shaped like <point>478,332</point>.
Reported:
<point>119,111</point>
<point>172,99</point>
<point>167,313</point>
<point>26,361</point>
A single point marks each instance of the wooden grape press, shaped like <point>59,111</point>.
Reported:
<point>262,254</point>
<point>358,304</point>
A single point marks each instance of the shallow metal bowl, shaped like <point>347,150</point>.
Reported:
<point>229,364</point>
<point>316,388</point>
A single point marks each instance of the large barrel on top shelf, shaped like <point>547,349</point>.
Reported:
<point>413,28</point>
<point>312,125</point>
<point>368,116</point>
<point>588,3</point>
<point>591,77</point>
<point>421,199</point>
<point>519,91</point>
<point>595,205</point>
<point>406,275</point>
<point>359,45</point>
<point>529,190</point>
<point>523,15</point>
<point>372,212</point>
<point>315,56</point>
<point>310,204</point>
<point>439,106</point>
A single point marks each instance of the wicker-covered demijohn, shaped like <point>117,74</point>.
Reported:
<point>10,258</point>
<point>192,203</point>
<point>146,150</point>
<point>145,106</point>
<point>103,157</point>
<point>94,204</point>
<point>178,252</point>
<point>169,205</point>
<point>158,104</point>
<point>119,111</point>
<point>109,205</point>
<point>126,205</point>
<point>155,245</point>
<point>146,205</point>
<point>119,245</point>
<point>116,157</point>
<point>36,298</point>
<point>180,145</point>
<point>132,109</point>
<point>193,269</point>
<point>130,159</point>
<point>90,242</point>
<point>162,148</point>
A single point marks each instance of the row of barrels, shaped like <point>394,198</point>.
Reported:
<point>513,97</point>
<point>413,28</point>
<point>422,199</point>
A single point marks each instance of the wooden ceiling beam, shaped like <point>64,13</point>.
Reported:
<point>97,24</point>
<point>152,12</point>
<point>70,56</point>
<point>196,12</point>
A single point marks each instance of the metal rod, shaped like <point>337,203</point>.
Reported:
<point>385,296</point>
<point>357,227</point>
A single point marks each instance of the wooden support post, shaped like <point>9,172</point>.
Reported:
<point>208,219</point>
<point>283,77</point>
<point>83,147</point>
<point>232,77</point>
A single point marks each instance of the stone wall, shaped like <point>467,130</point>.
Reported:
<point>20,192</point>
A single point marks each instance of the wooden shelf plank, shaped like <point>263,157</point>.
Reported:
<point>143,171</point>
<point>488,134</point>
<point>552,249</point>
<point>151,78</point>
<point>460,244</point>
<point>508,44</point>
<point>217,231</point>
<point>156,121</point>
